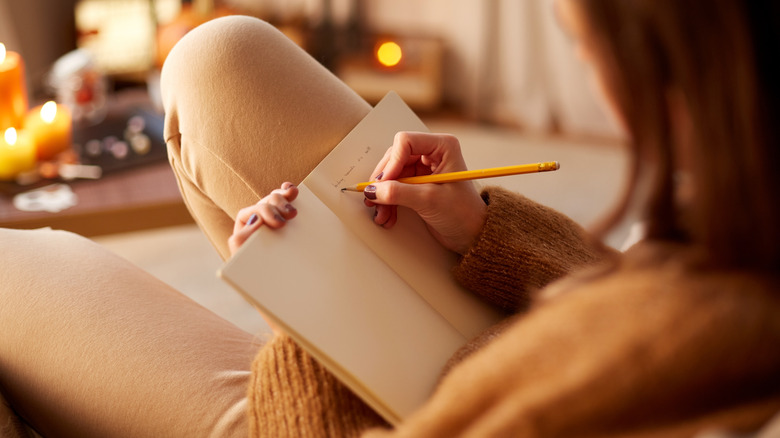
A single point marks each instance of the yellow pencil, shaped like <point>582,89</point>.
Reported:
<point>468,175</point>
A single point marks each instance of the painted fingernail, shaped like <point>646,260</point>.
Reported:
<point>279,218</point>
<point>252,220</point>
<point>381,174</point>
<point>289,208</point>
<point>370,192</point>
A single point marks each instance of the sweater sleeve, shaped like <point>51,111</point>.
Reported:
<point>522,247</point>
<point>291,395</point>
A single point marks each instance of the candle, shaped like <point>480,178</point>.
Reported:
<point>13,92</point>
<point>51,129</point>
<point>17,154</point>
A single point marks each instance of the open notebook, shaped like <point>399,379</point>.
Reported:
<point>377,307</point>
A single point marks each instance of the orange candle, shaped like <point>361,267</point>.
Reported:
<point>13,92</point>
<point>51,129</point>
<point>17,154</point>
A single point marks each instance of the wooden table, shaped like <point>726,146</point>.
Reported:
<point>130,200</point>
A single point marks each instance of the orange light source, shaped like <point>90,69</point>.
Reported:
<point>389,54</point>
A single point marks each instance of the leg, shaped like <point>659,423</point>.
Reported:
<point>247,109</point>
<point>90,345</point>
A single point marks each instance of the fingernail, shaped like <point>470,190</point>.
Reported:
<point>252,220</point>
<point>381,174</point>
<point>370,192</point>
<point>279,218</point>
<point>289,208</point>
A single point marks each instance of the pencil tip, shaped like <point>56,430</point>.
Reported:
<point>343,189</point>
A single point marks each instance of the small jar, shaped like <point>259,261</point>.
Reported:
<point>80,86</point>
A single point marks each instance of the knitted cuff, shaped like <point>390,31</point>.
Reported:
<point>291,395</point>
<point>522,247</point>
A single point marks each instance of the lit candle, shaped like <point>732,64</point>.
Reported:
<point>13,92</point>
<point>51,129</point>
<point>17,154</point>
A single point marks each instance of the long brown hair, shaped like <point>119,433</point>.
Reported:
<point>718,56</point>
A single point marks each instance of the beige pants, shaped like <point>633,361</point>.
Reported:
<point>92,346</point>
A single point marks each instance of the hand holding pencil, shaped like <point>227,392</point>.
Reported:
<point>454,212</point>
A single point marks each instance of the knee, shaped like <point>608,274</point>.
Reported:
<point>218,51</point>
<point>220,63</point>
<point>217,38</point>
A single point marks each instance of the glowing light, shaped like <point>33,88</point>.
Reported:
<point>10,136</point>
<point>389,54</point>
<point>2,53</point>
<point>49,111</point>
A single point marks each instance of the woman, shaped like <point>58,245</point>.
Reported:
<point>679,335</point>
<point>675,337</point>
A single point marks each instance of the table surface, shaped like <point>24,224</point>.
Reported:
<point>130,200</point>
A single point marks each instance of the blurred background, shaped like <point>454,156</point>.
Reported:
<point>499,74</point>
<point>496,61</point>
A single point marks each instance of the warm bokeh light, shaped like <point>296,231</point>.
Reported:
<point>10,136</point>
<point>2,53</point>
<point>389,54</point>
<point>49,111</point>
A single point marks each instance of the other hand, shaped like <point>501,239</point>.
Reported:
<point>273,211</point>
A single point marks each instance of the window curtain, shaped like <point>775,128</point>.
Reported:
<point>507,62</point>
<point>532,76</point>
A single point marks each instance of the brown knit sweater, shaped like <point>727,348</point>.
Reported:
<point>649,347</point>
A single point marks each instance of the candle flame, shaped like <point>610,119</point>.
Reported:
<point>389,54</point>
<point>49,111</point>
<point>2,53</point>
<point>10,136</point>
